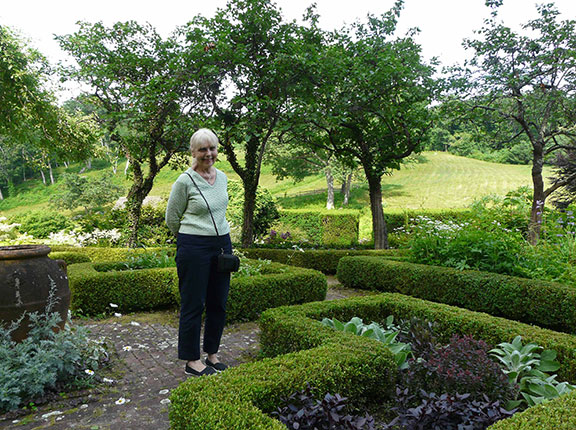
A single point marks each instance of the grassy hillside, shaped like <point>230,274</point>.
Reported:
<point>441,181</point>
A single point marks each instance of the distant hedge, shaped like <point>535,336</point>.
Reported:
<point>324,260</point>
<point>94,288</point>
<point>320,227</point>
<point>546,304</point>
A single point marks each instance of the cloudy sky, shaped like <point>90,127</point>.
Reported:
<point>443,23</point>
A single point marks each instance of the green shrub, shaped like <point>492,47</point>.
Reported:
<point>324,260</point>
<point>558,414</point>
<point>546,304</point>
<point>469,247</point>
<point>41,224</point>
<point>265,211</point>
<point>320,227</point>
<point>95,285</point>
<point>46,359</point>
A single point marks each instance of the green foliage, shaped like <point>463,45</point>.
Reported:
<point>469,247</point>
<point>528,368</point>
<point>45,358</point>
<point>90,193</point>
<point>265,211</point>
<point>41,224</point>
<point>499,295</point>
<point>386,335</point>
<point>320,227</point>
<point>151,260</point>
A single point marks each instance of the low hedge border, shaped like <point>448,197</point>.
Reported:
<point>543,303</point>
<point>288,329</point>
<point>324,260</point>
<point>559,414</point>
<point>99,254</point>
<point>239,398</point>
<point>293,328</point>
<point>147,289</point>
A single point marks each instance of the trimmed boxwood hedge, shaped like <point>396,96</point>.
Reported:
<point>238,399</point>
<point>558,414</point>
<point>294,328</point>
<point>546,304</point>
<point>93,289</point>
<point>70,257</point>
<point>324,260</point>
<point>299,348</point>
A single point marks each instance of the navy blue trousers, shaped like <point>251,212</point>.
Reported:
<point>201,287</point>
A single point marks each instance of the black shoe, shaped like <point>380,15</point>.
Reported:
<point>218,366</point>
<point>207,371</point>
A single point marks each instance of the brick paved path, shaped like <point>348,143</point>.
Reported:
<point>144,370</point>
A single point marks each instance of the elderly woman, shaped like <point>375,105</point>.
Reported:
<point>196,213</point>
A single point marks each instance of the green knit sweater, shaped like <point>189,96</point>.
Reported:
<point>187,212</point>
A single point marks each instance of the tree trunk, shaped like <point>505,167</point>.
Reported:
<point>539,196</point>
<point>89,163</point>
<point>330,186</point>
<point>134,207</point>
<point>250,186</point>
<point>115,166</point>
<point>1,195</point>
<point>51,173</point>
<point>379,229</point>
<point>126,167</point>
<point>43,177</point>
<point>346,186</point>
<point>66,164</point>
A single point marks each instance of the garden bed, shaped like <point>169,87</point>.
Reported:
<point>301,349</point>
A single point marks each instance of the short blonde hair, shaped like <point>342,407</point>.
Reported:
<point>203,135</point>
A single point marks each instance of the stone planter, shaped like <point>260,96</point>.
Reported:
<point>26,277</point>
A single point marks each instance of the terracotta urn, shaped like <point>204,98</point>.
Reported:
<point>27,277</point>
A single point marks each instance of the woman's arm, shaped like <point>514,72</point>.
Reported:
<point>177,203</point>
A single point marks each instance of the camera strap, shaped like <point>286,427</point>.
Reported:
<point>207,205</point>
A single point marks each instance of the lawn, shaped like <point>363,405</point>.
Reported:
<point>439,181</point>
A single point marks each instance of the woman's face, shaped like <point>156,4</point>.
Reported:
<point>205,155</point>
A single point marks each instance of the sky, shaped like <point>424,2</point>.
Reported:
<point>443,24</point>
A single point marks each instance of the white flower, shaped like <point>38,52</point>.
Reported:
<point>116,314</point>
<point>121,401</point>
<point>108,380</point>
<point>127,348</point>
<point>113,305</point>
<point>89,372</point>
